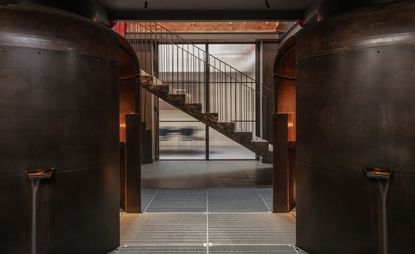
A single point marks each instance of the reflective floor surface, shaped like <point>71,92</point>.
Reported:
<point>206,174</point>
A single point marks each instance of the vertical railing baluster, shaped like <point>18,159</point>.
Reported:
<point>203,78</point>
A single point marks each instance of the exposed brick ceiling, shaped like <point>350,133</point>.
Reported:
<point>207,9</point>
<point>222,27</point>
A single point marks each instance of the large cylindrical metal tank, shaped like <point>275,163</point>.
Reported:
<point>59,104</point>
<point>355,109</point>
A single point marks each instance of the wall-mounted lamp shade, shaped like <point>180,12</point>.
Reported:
<point>39,173</point>
<point>378,173</point>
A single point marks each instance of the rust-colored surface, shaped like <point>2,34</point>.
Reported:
<point>218,27</point>
<point>129,91</point>
<point>356,98</point>
<point>284,128</point>
<point>285,85</point>
<point>59,109</point>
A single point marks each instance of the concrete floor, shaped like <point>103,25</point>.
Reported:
<point>216,152</point>
<point>206,174</point>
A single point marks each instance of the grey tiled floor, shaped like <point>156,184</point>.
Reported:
<point>220,200</point>
<point>218,220</point>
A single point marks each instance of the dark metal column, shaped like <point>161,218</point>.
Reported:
<point>258,100</point>
<point>133,164</point>
<point>207,96</point>
<point>283,177</point>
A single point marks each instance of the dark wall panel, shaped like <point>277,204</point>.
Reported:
<point>356,98</point>
<point>58,108</point>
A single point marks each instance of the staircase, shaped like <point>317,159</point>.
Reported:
<point>213,92</point>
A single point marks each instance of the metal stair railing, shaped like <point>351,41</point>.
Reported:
<point>203,79</point>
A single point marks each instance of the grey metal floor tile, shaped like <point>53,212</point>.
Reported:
<point>161,249</point>
<point>237,222</point>
<point>300,251</point>
<point>163,229</point>
<point>147,196</point>
<point>178,200</point>
<point>246,249</point>
<point>235,200</point>
<point>253,249</point>
<point>266,194</point>
<point>251,228</point>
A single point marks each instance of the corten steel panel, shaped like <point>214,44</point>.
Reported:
<point>283,166</point>
<point>58,108</point>
<point>123,163</point>
<point>355,102</point>
<point>285,84</point>
<point>90,9</point>
<point>133,164</point>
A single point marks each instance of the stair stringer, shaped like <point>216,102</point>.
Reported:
<point>228,129</point>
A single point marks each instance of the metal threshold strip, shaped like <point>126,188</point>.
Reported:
<point>253,249</point>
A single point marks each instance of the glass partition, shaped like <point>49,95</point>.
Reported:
<point>181,136</point>
<point>184,137</point>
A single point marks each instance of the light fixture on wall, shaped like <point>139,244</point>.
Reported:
<point>267,4</point>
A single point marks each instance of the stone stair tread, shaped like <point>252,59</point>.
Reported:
<point>243,133</point>
<point>227,127</point>
<point>243,136</point>
<point>211,117</point>
<point>197,107</point>
<point>164,88</point>
<point>258,146</point>
<point>260,141</point>
<point>262,145</point>
<point>177,98</point>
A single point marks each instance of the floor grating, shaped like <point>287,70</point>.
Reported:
<point>163,229</point>
<point>178,200</point>
<point>252,228</point>
<point>161,249</point>
<point>219,220</point>
<point>254,249</point>
<point>266,195</point>
<point>221,200</point>
<point>246,249</point>
<point>147,196</point>
<point>235,200</point>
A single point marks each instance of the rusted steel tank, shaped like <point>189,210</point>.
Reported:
<point>59,107</point>
<point>355,109</point>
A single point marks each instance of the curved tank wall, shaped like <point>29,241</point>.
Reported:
<point>284,127</point>
<point>329,8</point>
<point>285,84</point>
<point>58,108</point>
<point>90,9</point>
<point>355,109</point>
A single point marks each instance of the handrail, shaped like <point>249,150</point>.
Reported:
<point>185,42</point>
<point>204,79</point>
<point>219,70</point>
